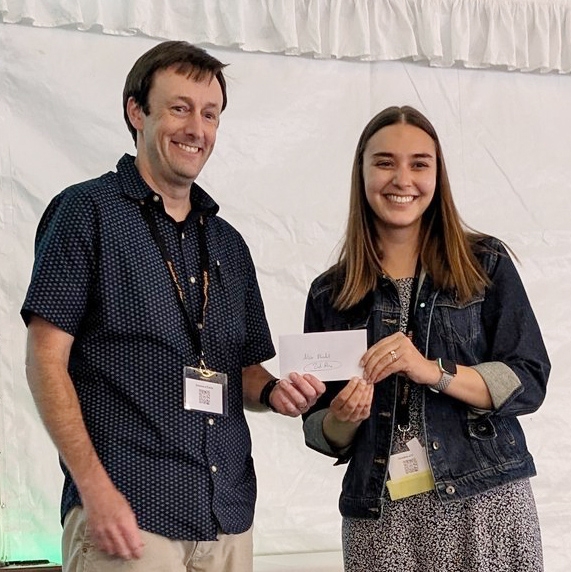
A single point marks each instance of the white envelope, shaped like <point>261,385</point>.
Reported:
<point>328,356</point>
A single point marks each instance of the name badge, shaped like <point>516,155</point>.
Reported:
<point>409,472</point>
<point>205,390</point>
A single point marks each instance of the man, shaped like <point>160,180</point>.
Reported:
<point>146,332</point>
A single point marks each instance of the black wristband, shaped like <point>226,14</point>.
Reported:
<point>266,390</point>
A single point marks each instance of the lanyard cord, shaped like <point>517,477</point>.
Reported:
<point>194,328</point>
<point>403,383</point>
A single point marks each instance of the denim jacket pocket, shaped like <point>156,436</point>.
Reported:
<point>460,326</point>
<point>482,429</point>
<point>494,442</point>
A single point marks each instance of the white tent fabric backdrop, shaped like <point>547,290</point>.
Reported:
<point>518,34</point>
<point>281,174</point>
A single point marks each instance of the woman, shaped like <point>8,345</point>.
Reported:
<point>438,474</point>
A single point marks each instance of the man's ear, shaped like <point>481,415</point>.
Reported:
<point>135,113</point>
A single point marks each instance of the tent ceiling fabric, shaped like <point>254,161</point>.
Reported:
<point>523,35</point>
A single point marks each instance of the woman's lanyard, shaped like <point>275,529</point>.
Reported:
<point>404,384</point>
<point>194,328</point>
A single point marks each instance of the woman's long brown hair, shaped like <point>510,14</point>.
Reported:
<point>446,246</point>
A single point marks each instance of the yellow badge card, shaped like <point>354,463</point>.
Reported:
<point>409,472</point>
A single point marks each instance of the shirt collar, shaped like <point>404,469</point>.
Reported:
<point>135,187</point>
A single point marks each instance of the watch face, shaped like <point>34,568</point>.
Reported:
<point>448,366</point>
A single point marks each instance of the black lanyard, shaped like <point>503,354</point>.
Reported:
<point>403,383</point>
<point>194,328</point>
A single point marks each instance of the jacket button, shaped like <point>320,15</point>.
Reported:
<point>450,490</point>
<point>435,445</point>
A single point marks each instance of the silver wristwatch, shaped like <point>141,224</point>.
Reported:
<point>448,370</point>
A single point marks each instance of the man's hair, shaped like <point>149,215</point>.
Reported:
<point>185,58</point>
<point>446,245</point>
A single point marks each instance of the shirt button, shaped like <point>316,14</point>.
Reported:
<point>199,326</point>
<point>214,468</point>
<point>192,279</point>
<point>211,421</point>
<point>450,490</point>
<point>435,445</point>
<point>422,304</point>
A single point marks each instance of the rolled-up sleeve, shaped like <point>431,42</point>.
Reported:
<point>502,382</point>
<point>518,367</point>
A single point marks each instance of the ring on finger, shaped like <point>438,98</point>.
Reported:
<point>394,356</point>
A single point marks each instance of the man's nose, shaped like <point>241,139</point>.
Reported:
<point>193,125</point>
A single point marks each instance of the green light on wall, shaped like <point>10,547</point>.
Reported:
<point>39,546</point>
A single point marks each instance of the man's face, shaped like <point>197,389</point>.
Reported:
<point>176,138</point>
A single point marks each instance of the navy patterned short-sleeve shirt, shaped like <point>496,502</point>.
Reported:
<point>99,275</point>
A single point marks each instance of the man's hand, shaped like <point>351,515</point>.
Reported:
<point>111,522</point>
<point>297,394</point>
<point>109,516</point>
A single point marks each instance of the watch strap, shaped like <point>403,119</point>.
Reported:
<point>265,393</point>
<point>448,370</point>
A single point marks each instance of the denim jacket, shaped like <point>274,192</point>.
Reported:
<point>469,451</point>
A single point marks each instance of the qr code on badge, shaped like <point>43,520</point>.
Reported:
<point>204,396</point>
<point>410,466</point>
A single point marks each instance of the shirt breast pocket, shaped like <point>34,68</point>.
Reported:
<point>227,308</point>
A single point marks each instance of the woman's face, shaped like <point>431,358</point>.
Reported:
<point>399,171</point>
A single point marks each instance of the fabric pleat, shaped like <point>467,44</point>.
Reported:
<point>524,35</point>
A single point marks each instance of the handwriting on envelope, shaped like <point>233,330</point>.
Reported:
<point>327,355</point>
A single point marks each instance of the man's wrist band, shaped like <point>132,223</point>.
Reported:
<point>265,393</point>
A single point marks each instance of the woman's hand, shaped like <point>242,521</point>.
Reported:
<point>353,403</point>
<point>396,354</point>
<point>347,410</point>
